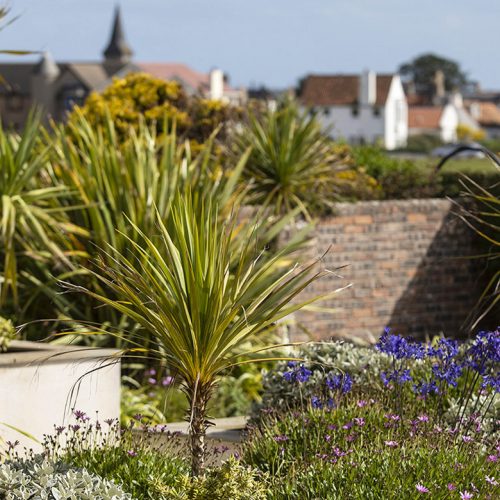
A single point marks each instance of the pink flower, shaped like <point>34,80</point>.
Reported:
<point>451,487</point>
<point>362,403</point>
<point>492,458</point>
<point>465,495</point>
<point>131,453</point>
<point>423,418</point>
<point>466,439</point>
<point>421,488</point>
<point>491,480</point>
<point>391,444</point>
<point>359,421</point>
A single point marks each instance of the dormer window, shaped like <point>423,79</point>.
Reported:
<point>72,96</point>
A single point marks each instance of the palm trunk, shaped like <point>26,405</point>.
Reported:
<point>199,396</point>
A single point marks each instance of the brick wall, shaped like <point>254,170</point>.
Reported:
<point>405,262</point>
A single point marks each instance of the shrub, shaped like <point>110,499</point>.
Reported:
<point>7,333</point>
<point>293,163</point>
<point>40,478</point>
<point>139,97</point>
<point>398,178</point>
<point>144,460</point>
<point>363,364</point>
<point>232,480</point>
<point>422,143</point>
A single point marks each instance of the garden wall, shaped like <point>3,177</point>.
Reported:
<point>405,260</point>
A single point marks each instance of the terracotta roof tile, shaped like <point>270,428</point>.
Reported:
<point>337,90</point>
<point>179,72</point>
<point>424,116</point>
<point>489,114</point>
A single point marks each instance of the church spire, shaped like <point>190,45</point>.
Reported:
<point>118,50</point>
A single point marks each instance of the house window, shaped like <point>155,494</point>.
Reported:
<point>355,109</point>
<point>71,96</point>
<point>376,110</point>
<point>15,102</point>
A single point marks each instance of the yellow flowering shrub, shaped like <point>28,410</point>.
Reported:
<point>139,96</point>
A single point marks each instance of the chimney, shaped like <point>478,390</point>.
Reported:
<point>439,87</point>
<point>368,88</point>
<point>216,84</point>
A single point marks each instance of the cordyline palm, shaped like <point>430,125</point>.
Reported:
<point>292,163</point>
<point>120,185</point>
<point>183,289</point>
<point>33,224</point>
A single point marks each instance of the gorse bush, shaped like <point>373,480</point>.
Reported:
<point>139,98</point>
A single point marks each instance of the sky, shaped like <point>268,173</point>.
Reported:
<point>269,42</point>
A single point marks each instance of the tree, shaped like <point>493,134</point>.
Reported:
<point>197,303</point>
<point>293,163</point>
<point>422,71</point>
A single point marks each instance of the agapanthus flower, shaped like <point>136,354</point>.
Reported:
<point>342,382</point>
<point>484,351</point>
<point>400,347</point>
<point>421,488</point>
<point>449,371</point>
<point>446,349</point>
<point>492,381</point>
<point>397,376</point>
<point>426,388</point>
<point>316,403</point>
<point>299,373</point>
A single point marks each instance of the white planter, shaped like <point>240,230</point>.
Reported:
<point>41,383</point>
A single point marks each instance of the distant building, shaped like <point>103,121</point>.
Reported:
<point>487,115</point>
<point>366,108</point>
<point>439,121</point>
<point>442,120</point>
<point>58,86</point>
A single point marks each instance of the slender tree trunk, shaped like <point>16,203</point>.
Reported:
<point>199,397</point>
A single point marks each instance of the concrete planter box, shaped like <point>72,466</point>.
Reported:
<point>40,383</point>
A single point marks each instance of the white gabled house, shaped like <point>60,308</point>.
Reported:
<point>366,108</point>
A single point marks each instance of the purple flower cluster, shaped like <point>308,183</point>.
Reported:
<point>483,357</point>
<point>297,373</point>
<point>397,376</point>
<point>400,347</point>
<point>340,382</point>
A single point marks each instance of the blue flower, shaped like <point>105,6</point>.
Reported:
<point>450,372</point>
<point>397,376</point>
<point>400,347</point>
<point>316,403</point>
<point>342,382</point>
<point>299,374</point>
<point>426,388</point>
